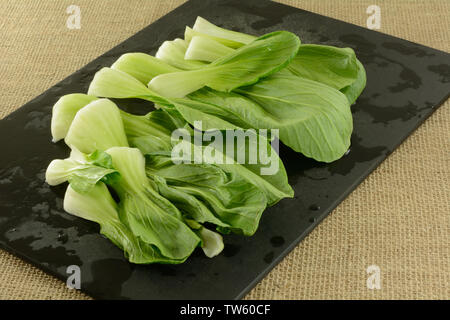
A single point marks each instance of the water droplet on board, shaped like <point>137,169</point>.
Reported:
<point>314,207</point>
<point>62,237</point>
<point>312,220</point>
<point>277,241</point>
<point>268,258</point>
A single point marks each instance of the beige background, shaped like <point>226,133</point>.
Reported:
<point>397,219</point>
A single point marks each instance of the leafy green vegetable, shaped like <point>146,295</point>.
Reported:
<point>190,33</point>
<point>336,67</point>
<point>206,49</point>
<point>97,205</point>
<point>218,202</point>
<point>83,174</point>
<point>111,83</point>
<point>207,193</point>
<point>333,66</point>
<point>144,133</point>
<point>172,52</point>
<point>142,66</point>
<point>212,83</point>
<point>64,111</point>
<point>353,91</point>
<point>262,57</point>
<point>312,118</point>
<point>150,216</point>
<point>97,126</point>
<point>238,39</point>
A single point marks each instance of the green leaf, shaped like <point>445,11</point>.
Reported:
<point>313,119</point>
<point>151,217</point>
<point>97,205</point>
<point>83,172</point>
<point>262,57</point>
<point>82,176</point>
<point>335,67</point>
<point>353,91</point>
<point>208,193</point>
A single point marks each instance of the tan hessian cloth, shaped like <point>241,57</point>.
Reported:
<point>397,219</point>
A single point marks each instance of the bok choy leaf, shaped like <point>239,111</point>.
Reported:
<point>82,173</point>
<point>262,57</point>
<point>150,216</point>
<point>333,66</point>
<point>97,205</point>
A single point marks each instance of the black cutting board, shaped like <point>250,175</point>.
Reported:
<point>406,83</point>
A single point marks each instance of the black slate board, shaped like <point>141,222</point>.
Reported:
<point>406,83</point>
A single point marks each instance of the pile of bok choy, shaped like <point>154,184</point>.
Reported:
<point>122,173</point>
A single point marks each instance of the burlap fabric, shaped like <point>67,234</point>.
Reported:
<point>397,219</point>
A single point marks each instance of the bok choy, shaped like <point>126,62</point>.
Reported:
<point>262,57</point>
<point>155,189</point>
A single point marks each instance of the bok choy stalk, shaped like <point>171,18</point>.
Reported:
<point>82,171</point>
<point>206,49</point>
<point>64,112</point>
<point>142,66</point>
<point>87,197</point>
<point>262,57</point>
<point>336,67</point>
<point>212,242</point>
<point>97,205</point>
<point>203,26</point>
<point>173,52</point>
<point>150,216</point>
<point>190,33</point>
<point>97,126</point>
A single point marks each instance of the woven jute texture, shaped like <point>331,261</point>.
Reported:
<point>397,219</point>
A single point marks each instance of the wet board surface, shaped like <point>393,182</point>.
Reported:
<point>406,83</point>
